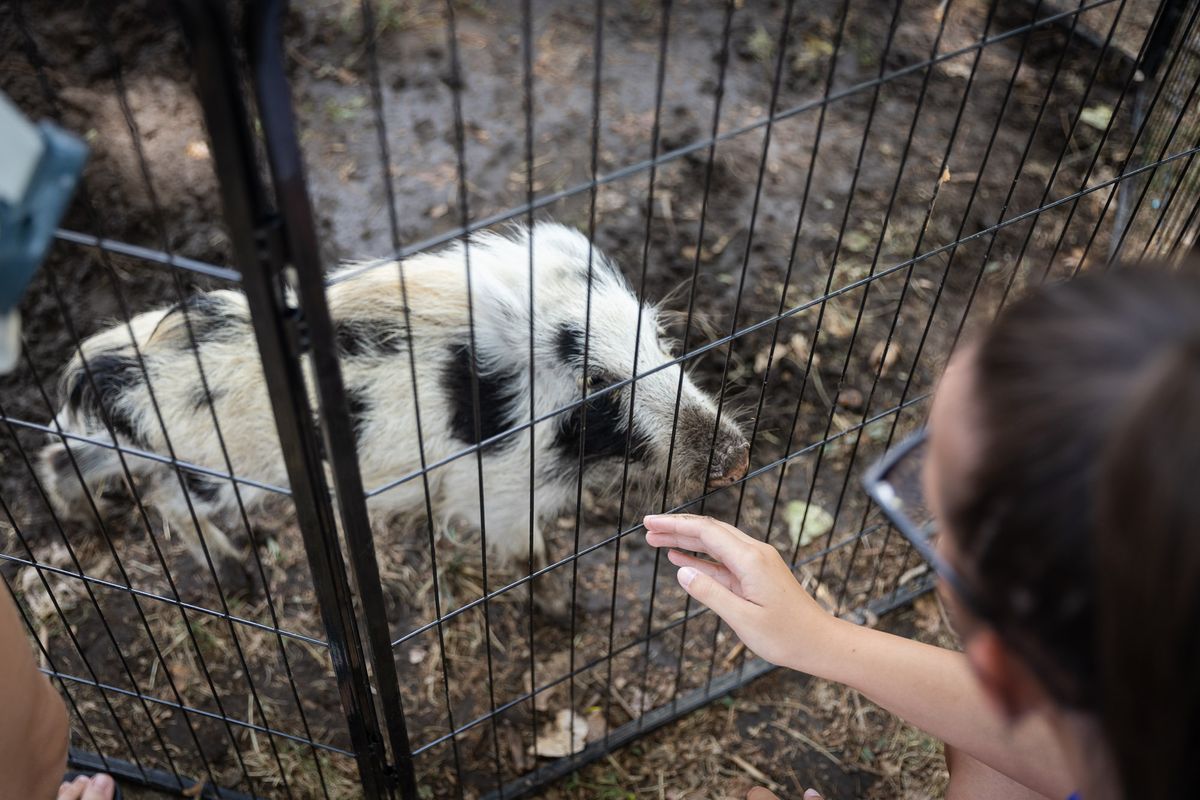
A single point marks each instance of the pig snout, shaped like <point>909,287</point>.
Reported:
<point>730,463</point>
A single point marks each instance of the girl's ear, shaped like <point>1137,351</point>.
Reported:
<point>1009,684</point>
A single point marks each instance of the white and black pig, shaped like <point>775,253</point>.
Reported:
<point>368,314</point>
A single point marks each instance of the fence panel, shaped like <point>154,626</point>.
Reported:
<point>436,584</point>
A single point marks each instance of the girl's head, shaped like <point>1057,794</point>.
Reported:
<point>1064,467</point>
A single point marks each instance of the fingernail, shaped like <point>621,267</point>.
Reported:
<point>102,781</point>
<point>811,794</point>
<point>651,518</point>
<point>686,576</point>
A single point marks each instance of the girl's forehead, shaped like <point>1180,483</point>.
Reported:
<point>955,433</point>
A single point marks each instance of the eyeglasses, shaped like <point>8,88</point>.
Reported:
<point>895,483</point>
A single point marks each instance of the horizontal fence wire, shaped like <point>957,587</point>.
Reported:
<point>220,673</point>
<point>148,255</point>
<point>791,312</point>
<point>199,712</point>
<point>576,555</point>
<point>208,645</point>
<point>630,170</point>
<point>655,633</point>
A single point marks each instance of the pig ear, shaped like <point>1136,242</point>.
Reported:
<point>576,251</point>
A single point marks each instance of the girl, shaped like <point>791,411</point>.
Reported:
<point>1060,463</point>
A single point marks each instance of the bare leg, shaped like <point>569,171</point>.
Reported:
<point>974,780</point>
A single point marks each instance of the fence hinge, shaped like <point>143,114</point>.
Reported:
<point>272,252</point>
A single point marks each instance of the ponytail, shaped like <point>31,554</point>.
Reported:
<point>1147,580</point>
<point>1080,526</point>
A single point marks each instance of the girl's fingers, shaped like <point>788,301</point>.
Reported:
<point>702,534</point>
<point>712,570</point>
<point>727,605</point>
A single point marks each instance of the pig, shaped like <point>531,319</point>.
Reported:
<point>171,411</point>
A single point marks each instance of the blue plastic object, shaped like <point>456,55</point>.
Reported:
<point>39,168</point>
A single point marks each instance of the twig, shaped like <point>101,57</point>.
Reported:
<point>800,737</point>
<point>754,772</point>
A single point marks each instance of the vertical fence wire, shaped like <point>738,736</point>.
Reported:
<point>1154,189</point>
<point>51,98</point>
<point>456,86</point>
<point>370,36</point>
<point>1128,167</point>
<point>655,143</point>
<point>710,161</point>
<point>776,83</point>
<point>159,223</point>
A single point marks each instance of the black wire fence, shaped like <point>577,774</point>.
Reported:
<point>286,531</point>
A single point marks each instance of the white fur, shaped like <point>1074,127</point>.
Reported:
<point>388,445</point>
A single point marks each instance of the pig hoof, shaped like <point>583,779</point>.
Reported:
<point>236,580</point>
<point>552,600</point>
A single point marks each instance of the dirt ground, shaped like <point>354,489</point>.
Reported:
<point>784,729</point>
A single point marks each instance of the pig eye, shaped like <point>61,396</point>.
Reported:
<point>598,379</point>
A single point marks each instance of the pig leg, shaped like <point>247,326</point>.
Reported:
<point>506,498</point>
<point>60,479</point>
<point>196,524</point>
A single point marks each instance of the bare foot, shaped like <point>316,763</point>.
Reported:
<point>759,793</point>
<point>96,787</point>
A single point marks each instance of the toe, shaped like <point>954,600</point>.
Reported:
<point>759,793</point>
<point>101,787</point>
<point>72,790</point>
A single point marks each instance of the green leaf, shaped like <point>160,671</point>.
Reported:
<point>806,523</point>
<point>857,241</point>
<point>761,45</point>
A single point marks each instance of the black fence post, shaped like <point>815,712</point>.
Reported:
<point>1150,66</point>
<point>264,41</point>
<point>281,331</point>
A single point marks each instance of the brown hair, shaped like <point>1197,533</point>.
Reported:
<point>1081,530</point>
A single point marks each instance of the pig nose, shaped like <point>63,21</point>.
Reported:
<point>736,466</point>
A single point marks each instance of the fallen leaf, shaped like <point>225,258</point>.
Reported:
<point>1096,116</point>
<point>851,398</point>
<point>813,49</point>
<point>596,726</point>
<point>566,736</point>
<point>857,241</point>
<point>195,790</point>
<point>806,523</point>
<point>889,358</point>
<point>761,45</point>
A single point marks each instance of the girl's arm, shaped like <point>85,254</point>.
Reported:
<point>33,719</point>
<point>754,591</point>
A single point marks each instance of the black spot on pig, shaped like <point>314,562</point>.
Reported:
<point>60,461</point>
<point>212,318</point>
<point>569,344</point>
<point>202,487</point>
<point>112,376</point>
<point>200,397</point>
<point>498,390</point>
<point>359,405</point>
<point>368,337</point>
<point>602,430</point>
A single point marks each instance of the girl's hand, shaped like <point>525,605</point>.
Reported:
<point>749,586</point>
